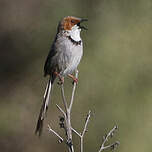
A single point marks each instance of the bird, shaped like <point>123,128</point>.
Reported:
<point>63,59</point>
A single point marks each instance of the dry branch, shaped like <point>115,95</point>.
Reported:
<point>54,132</point>
<point>65,122</point>
<point>106,138</point>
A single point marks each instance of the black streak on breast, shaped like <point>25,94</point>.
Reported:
<point>73,41</point>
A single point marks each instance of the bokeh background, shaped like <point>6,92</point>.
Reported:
<point>115,75</point>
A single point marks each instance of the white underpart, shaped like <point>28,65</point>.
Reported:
<point>69,54</point>
<point>75,33</point>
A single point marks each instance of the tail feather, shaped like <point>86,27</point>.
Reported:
<point>44,108</point>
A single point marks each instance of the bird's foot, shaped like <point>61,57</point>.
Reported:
<point>75,80</point>
<point>61,79</point>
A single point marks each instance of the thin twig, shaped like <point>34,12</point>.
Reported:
<point>86,123</point>
<point>68,121</point>
<point>105,139</point>
<point>61,110</point>
<point>76,132</point>
<point>63,97</point>
<point>51,130</point>
<point>68,115</point>
<point>73,91</point>
<point>84,131</point>
<point>111,146</point>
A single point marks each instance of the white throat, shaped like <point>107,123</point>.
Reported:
<point>74,33</point>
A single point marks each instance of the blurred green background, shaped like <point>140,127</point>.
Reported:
<point>115,75</point>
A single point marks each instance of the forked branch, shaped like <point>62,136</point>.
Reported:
<point>54,132</point>
<point>106,138</point>
<point>84,130</point>
<point>65,123</point>
<point>67,114</point>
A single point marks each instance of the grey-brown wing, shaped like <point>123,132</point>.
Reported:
<point>49,63</point>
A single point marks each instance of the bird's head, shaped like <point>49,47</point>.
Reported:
<point>70,22</point>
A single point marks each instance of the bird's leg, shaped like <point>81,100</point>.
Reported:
<point>73,78</point>
<point>61,79</point>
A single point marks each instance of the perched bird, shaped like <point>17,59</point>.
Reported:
<point>64,56</point>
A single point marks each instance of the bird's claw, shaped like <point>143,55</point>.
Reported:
<point>61,80</point>
<point>75,80</point>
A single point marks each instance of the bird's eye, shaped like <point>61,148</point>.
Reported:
<point>72,21</point>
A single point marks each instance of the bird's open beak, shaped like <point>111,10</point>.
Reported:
<point>83,20</point>
<point>81,26</point>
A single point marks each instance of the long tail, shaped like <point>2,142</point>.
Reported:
<point>44,108</point>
